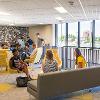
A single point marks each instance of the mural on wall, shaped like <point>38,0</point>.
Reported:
<point>12,33</point>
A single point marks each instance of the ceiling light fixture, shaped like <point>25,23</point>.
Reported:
<point>11,24</point>
<point>61,9</point>
<point>40,23</point>
<point>83,9</point>
<point>59,18</point>
<point>4,13</point>
<point>60,5</point>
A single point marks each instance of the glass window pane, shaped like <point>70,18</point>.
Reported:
<point>97,33</point>
<point>85,34</point>
<point>72,34</point>
<point>61,34</point>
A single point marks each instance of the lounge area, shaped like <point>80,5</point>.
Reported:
<point>49,49</point>
<point>9,90</point>
<point>59,83</point>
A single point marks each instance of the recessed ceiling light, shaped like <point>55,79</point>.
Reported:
<point>11,24</point>
<point>40,23</point>
<point>4,13</point>
<point>59,18</point>
<point>61,9</point>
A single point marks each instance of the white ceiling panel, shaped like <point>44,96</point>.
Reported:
<point>30,12</point>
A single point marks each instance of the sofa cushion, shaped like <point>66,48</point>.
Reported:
<point>32,84</point>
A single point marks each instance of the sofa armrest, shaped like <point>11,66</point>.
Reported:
<point>32,84</point>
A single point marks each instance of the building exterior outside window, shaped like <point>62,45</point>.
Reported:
<point>85,34</point>
<point>73,34</point>
<point>97,34</point>
<point>61,34</point>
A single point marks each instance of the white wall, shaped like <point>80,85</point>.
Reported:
<point>46,32</point>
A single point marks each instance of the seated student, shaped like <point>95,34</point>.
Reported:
<point>17,64</point>
<point>26,49</point>
<point>25,53</point>
<point>33,52</point>
<point>37,53</point>
<point>49,64</point>
<point>30,42</point>
<point>12,47</point>
<point>80,61</point>
<point>4,46</point>
<point>18,47</point>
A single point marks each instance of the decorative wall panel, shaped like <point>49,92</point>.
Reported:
<point>12,33</point>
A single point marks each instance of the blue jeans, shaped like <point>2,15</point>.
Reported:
<point>30,48</point>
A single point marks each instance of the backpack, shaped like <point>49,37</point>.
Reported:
<point>21,81</point>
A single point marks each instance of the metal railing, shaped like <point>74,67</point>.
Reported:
<point>66,53</point>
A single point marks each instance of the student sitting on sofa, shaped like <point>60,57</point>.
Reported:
<point>49,64</point>
<point>17,64</point>
<point>80,61</point>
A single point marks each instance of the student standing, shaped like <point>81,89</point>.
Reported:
<point>39,40</point>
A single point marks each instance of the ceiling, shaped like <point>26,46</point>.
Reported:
<point>30,12</point>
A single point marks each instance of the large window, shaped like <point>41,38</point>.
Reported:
<point>72,34</point>
<point>97,33</point>
<point>61,34</point>
<point>85,41</point>
<point>85,34</point>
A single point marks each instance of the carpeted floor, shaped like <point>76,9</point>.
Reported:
<point>9,91</point>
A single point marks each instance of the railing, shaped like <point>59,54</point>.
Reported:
<point>96,57</point>
<point>92,56</point>
<point>67,56</point>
